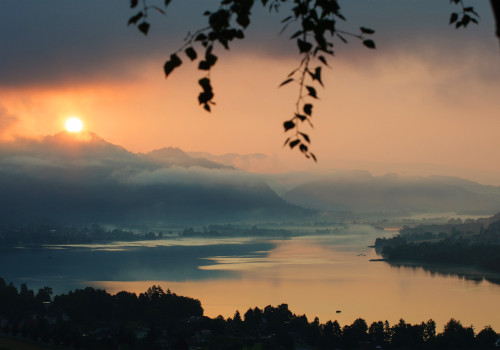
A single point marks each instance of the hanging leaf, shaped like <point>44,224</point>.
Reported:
<point>294,143</point>
<point>471,10</point>
<point>305,136</point>
<point>144,27</point>
<point>300,116</point>
<point>465,20</point>
<point>369,43</point>
<point>312,91</point>
<point>308,109</point>
<point>366,30</point>
<point>205,97</point>
<point>323,60</point>
<point>191,53</point>
<point>211,59</point>
<point>203,65</point>
<point>286,82</point>
<point>205,83</point>
<point>304,46</point>
<point>200,37</point>
<point>316,75</point>
<point>288,125</point>
<point>135,19</point>
<point>243,20</point>
<point>171,64</point>
<point>453,17</point>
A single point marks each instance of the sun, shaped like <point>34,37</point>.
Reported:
<point>74,124</point>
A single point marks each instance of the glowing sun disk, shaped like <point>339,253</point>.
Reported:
<point>74,125</point>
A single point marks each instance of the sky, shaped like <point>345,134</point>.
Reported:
<point>424,102</point>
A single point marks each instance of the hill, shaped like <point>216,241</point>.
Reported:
<point>83,178</point>
<point>169,156</point>
<point>360,192</point>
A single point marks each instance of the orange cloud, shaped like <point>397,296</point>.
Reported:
<point>394,109</point>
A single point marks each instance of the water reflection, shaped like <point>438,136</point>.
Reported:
<point>465,273</point>
<point>66,267</point>
<point>315,275</point>
<point>288,254</point>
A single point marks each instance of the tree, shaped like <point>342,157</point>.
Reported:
<point>316,23</point>
<point>154,292</point>
<point>355,333</point>
<point>429,330</point>
<point>377,333</point>
<point>486,338</point>
<point>44,294</point>
<point>456,336</point>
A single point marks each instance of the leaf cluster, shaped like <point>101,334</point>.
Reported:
<point>225,24</point>
<point>140,18</point>
<point>465,16</point>
<point>316,27</point>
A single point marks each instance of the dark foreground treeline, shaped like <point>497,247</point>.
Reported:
<point>93,319</point>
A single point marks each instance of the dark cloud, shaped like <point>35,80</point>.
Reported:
<point>73,40</point>
<point>76,40</point>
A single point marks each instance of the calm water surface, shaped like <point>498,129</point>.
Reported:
<point>314,275</point>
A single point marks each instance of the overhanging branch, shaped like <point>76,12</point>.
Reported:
<point>495,5</point>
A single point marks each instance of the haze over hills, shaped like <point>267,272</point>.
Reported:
<point>255,162</point>
<point>359,191</point>
<point>169,156</point>
<point>82,178</point>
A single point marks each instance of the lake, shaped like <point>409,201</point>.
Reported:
<point>315,275</point>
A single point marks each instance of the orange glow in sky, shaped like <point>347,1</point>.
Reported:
<point>408,116</point>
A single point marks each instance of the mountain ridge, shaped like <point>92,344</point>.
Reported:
<point>85,178</point>
<point>391,193</point>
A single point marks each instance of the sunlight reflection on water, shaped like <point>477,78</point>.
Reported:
<point>315,275</point>
<point>183,242</point>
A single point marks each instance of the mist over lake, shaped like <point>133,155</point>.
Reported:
<point>316,275</point>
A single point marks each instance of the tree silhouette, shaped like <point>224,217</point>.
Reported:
<point>315,27</point>
<point>93,319</point>
<point>44,294</point>
<point>456,336</point>
<point>486,338</point>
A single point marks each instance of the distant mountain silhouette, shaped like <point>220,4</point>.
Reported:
<point>359,191</point>
<point>68,148</point>
<point>175,156</point>
<point>82,178</point>
<point>255,162</point>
